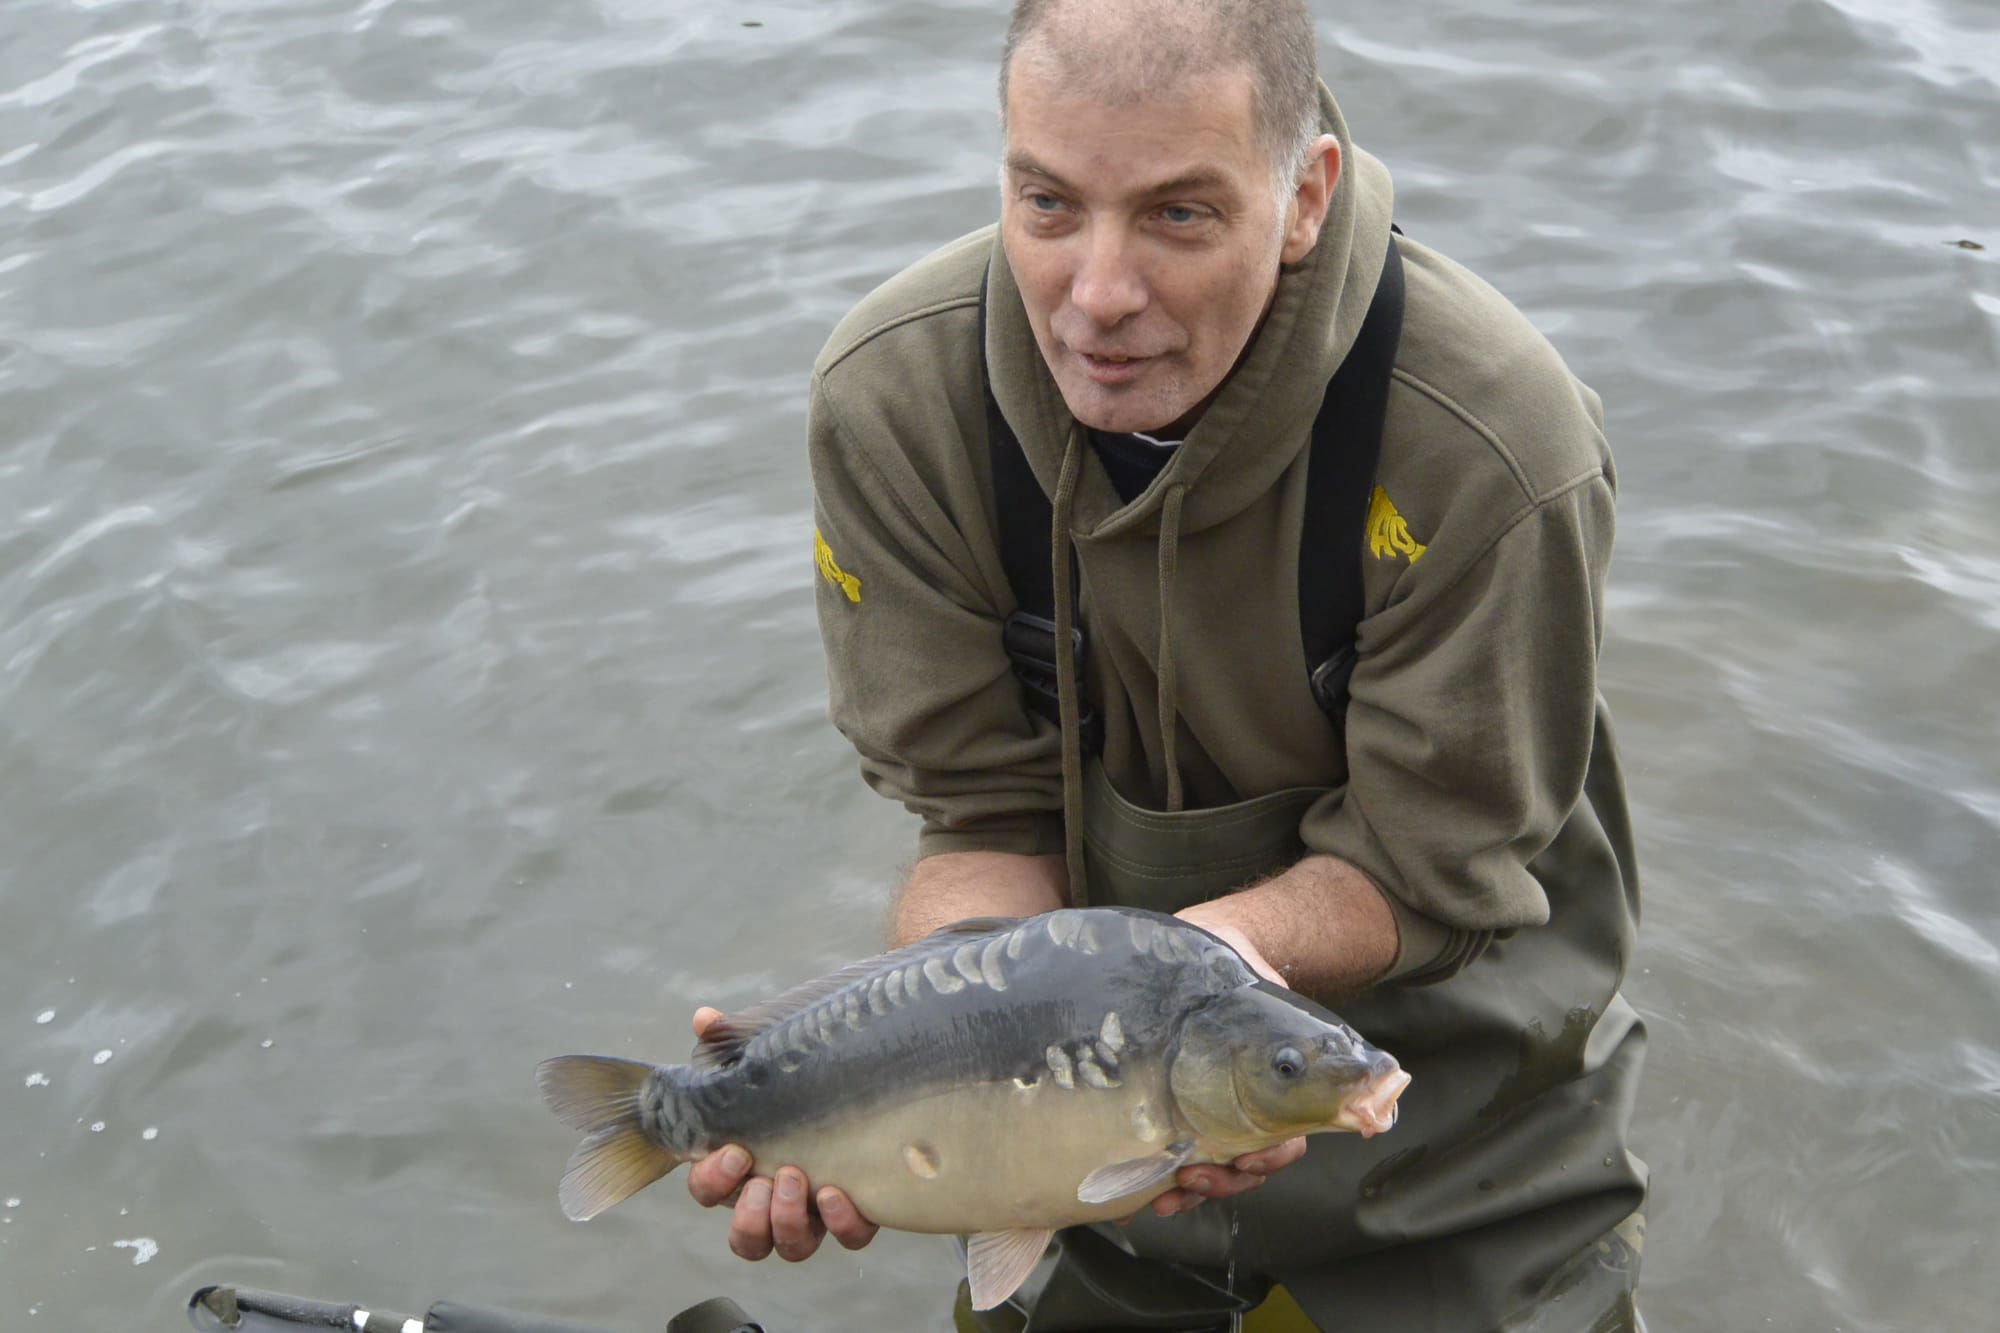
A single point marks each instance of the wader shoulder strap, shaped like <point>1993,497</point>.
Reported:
<point>1346,444</point>
<point>1027,522</point>
<point>1346,447</point>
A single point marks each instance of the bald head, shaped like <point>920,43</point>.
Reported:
<point>1125,51</point>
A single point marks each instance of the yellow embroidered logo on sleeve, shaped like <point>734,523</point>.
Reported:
<point>830,569</point>
<point>1388,535</point>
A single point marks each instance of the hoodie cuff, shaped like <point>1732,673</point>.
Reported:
<point>1022,835</point>
<point>1426,950</point>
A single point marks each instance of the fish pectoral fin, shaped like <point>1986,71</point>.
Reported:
<point>1122,1178</point>
<point>998,1262</point>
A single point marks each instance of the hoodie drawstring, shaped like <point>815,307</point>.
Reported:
<point>1170,538</point>
<point>1067,703</point>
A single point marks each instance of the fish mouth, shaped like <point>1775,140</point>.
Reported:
<point>1374,1110</point>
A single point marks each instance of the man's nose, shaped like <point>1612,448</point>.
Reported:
<point>1108,287</point>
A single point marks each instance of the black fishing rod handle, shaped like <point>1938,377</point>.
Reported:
<point>223,1307</point>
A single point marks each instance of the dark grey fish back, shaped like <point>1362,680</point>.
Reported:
<point>981,1002</point>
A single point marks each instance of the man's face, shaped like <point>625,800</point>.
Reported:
<point>1145,238</point>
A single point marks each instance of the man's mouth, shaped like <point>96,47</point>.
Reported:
<point>1112,369</point>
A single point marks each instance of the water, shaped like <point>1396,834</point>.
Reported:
<point>407,665</point>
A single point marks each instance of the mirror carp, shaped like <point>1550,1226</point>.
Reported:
<point>999,1078</point>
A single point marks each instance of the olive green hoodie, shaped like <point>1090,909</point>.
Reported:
<point>1473,711</point>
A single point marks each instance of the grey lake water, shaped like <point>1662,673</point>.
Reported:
<point>407,658</point>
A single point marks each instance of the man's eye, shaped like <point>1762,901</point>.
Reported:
<point>1179,214</point>
<point>1044,203</point>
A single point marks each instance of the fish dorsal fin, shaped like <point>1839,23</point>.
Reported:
<point>1122,1178</point>
<point>723,1041</point>
<point>998,1262</point>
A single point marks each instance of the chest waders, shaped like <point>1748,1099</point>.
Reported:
<point>1504,1198</point>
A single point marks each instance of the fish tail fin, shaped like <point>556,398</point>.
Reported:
<point>603,1097</point>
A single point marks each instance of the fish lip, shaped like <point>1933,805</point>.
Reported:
<point>1374,1111</point>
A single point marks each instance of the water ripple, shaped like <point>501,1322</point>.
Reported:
<point>407,654</point>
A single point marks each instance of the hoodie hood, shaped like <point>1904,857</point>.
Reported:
<point>1261,419</point>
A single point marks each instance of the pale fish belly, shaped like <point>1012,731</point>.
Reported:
<point>990,1157</point>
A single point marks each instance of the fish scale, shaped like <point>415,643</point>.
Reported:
<point>951,981</point>
<point>948,1029</point>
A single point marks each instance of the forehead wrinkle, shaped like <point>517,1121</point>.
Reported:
<point>1199,180</point>
<point>1195,180</point>
<point>1024,164</point>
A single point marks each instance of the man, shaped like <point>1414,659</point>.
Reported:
<point>1188,249</point>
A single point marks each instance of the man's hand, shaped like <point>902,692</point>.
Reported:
<point>772,1214</point>
<point>1196,1184</point>
<point>1235,939</point>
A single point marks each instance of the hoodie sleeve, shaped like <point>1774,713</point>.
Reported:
<point>1470,726</point>
<point>909,615</point>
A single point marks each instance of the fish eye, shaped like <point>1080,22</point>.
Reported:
<point>1288,1062</point>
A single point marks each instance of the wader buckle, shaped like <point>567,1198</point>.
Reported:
<point>1030,641</point>
<point>1329,685</point>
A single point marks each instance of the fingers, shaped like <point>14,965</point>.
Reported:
<point>1201,1183</point>
<point>702,1018</point>
<point>717,1176</point>
<point>772,1214</point>
<point>750,1225</point>
<point>775,1213</point>
<point>796,1230</point>
<point>843,1220</point>
<point>1264,1162</point>
<point>1217,1181</point>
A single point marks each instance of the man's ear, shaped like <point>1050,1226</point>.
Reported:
<point>1308,206</point>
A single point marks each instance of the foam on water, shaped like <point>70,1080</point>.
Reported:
<point>143,1248</point>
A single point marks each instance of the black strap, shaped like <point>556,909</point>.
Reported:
<point>1025,513</point>
<point>1340,476</point>
<point>1027,521</point>
<point>1340,481</point>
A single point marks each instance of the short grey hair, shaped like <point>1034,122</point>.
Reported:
<point>1136,45</point>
